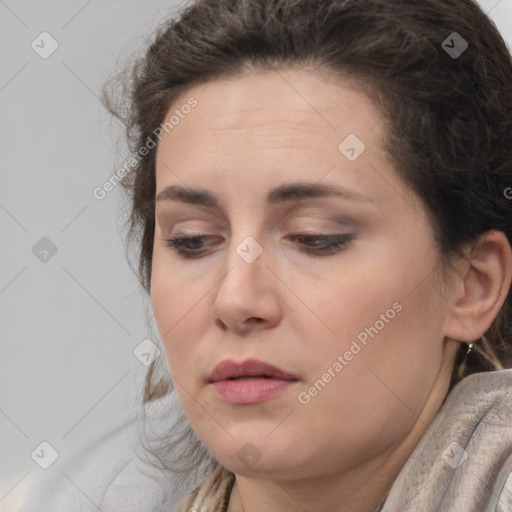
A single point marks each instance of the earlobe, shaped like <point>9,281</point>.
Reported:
<point>481,289</point>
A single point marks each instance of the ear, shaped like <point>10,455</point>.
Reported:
<point>481,285</point>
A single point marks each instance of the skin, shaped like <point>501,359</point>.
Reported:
<point>298,311</point>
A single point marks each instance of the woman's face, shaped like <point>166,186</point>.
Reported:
<point>358,328</point>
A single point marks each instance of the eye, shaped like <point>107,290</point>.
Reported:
<point>181,245</point>
<point>324,245</point>
<point>189,247</point>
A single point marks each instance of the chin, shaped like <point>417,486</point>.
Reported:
<point>248,455</point>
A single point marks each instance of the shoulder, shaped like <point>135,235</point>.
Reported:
<point>464,458</point>
<point>109,470</point>
<point>480,406</point>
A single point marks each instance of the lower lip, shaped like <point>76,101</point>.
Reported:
<point>250,391</point>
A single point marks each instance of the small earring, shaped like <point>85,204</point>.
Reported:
<point>462,367</point>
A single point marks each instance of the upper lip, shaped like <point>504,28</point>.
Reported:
<point>249,368</point>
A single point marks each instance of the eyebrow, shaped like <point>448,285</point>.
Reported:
<point>293,191</point>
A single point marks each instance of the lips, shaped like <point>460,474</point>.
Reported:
<point>250,382</point>
<point>252,368</point>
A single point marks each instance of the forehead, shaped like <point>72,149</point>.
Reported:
<point>268,117</point>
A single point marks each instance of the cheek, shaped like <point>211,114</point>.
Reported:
<point>180,308</point>
<point>383,325</point>
<point>361,304</point>
<point>390,338</point>
<point>379,394</point>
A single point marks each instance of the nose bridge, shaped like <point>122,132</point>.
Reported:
<point>246,246</point>
<point>243,291</point>
<point>244,266</point>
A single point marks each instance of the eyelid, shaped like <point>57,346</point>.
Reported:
<point>317,220</point>
<point>329,222</point>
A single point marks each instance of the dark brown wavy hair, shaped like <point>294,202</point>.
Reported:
<point>448,120</point>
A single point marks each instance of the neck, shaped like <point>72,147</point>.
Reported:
<point>268,494</point>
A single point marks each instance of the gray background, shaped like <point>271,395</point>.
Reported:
<point>69,325</point>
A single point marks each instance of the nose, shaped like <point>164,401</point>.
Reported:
<point>248,294</point>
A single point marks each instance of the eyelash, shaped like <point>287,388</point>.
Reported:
<point>340,242</point>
